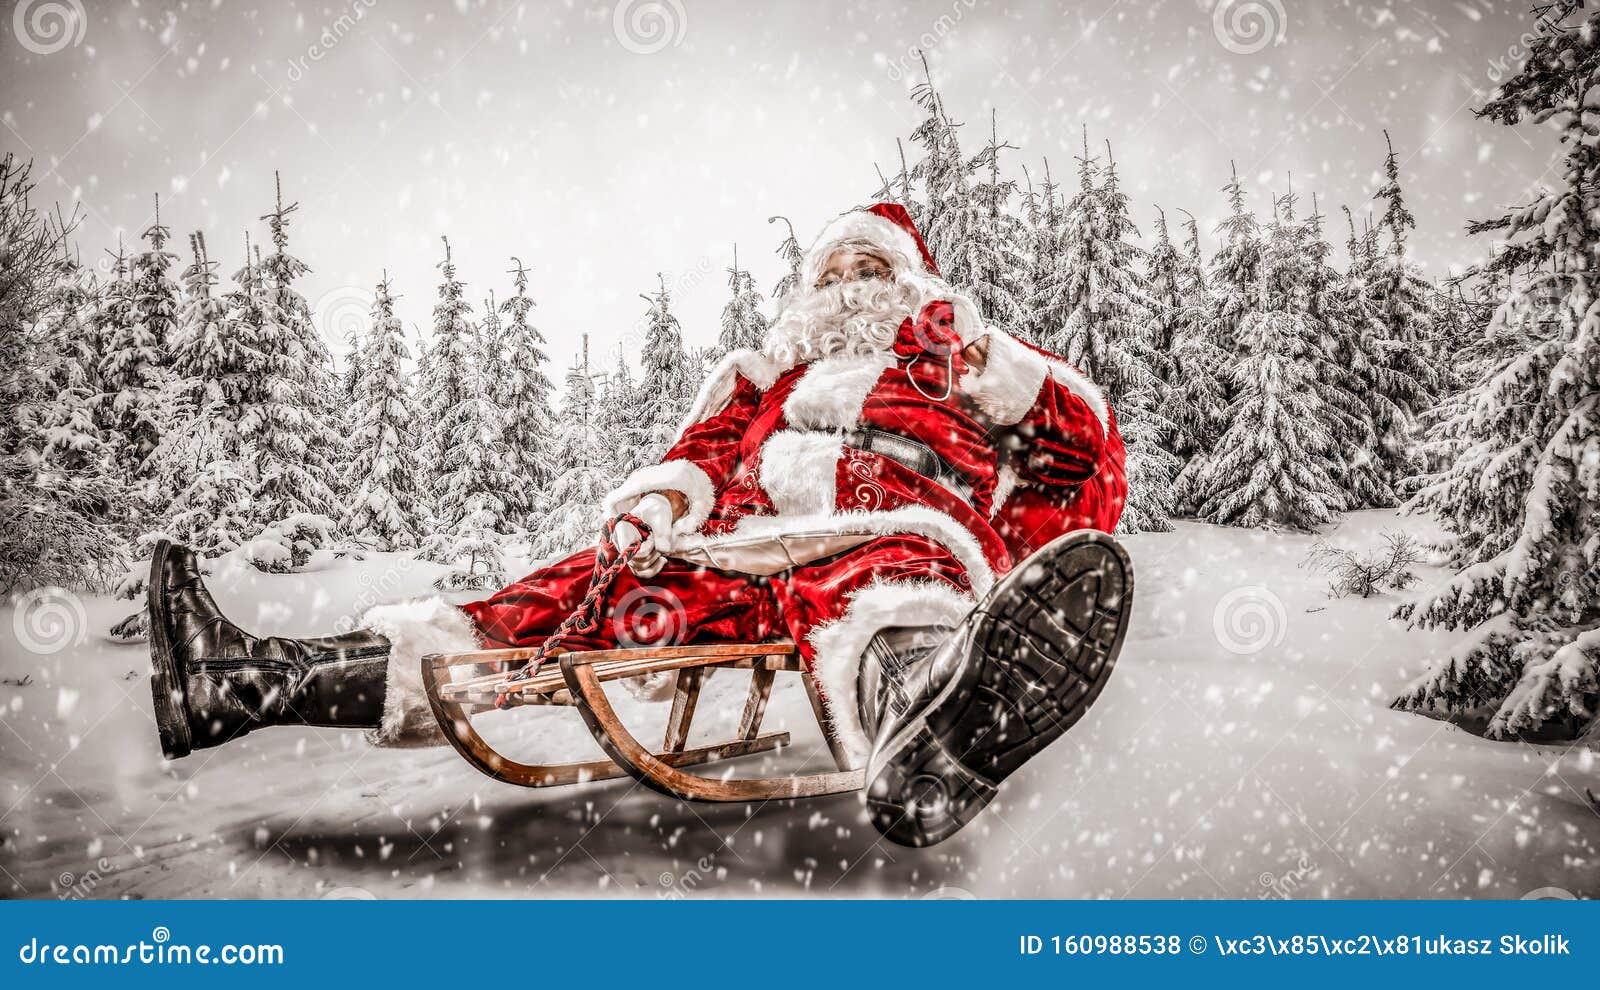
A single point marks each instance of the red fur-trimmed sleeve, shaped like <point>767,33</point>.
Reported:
<point>698,464</point>
<point>1057,413</point>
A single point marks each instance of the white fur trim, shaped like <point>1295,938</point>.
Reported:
<point>1009,384</point>
<point>914,520</point>
<point>799,471</point>
<point>831,392</point>
<point>839,644</point>
<point>718,387</point>
<point>858,225</point>
<point>415,629</point>
<point>684,477</point>
<point>1079,385</point>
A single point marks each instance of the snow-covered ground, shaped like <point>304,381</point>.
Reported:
<point>1243,749</point>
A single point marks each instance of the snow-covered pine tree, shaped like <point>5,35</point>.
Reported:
<point>470,482</point>
<point>1401,299</point>
<point>1521,500</point>
<point>572,517</point>
<point>1042,210</point>
<point>984,249</point>
<point>743,326</point>
<point>1196,398</point>
<point>55,529</point>
<point>1364,480</point>
<point>792,255</point>
<point>66,332</point>
<point>131,376</point>
<point>298,445</point>
<point>945,176</point>
<point>1271,468</point>
<point>1104,336</point>
<point>523,398</point>
<point>385,512</point>
<point>668,378</point>
<point>616,419</point>
<point>1236,267</point>
<point>214,367</point>
<point>1332,350</point>
<point>443,375</point>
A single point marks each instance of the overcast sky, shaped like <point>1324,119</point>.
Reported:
<point>603,143</point>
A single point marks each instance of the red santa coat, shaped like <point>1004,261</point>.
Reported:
<point>770,481</point>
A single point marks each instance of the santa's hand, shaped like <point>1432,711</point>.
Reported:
<point>656,513</point>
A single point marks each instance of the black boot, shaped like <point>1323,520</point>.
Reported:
<point>1020,670</point>
<point>212,681</point>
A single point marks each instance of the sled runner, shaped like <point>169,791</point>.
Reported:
<point>580,683</point>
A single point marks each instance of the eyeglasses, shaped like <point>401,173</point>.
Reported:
<point>864,272</point>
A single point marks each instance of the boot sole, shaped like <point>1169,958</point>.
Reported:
<point>1018,692</point>
<point>166,687</point>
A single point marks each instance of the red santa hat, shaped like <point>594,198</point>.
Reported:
<point>884,227</point>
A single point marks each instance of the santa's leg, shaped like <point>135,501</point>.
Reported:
<point>958,719</point>
<point>213,682</point>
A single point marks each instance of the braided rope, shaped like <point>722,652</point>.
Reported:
<point>609,561</point>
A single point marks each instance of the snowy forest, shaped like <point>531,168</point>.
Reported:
<point>1291,364</point>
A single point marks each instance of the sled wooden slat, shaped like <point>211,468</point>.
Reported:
<point>579,683</point>
<point>661,775</point>
<point>755,704</point>
<point>685,696</point>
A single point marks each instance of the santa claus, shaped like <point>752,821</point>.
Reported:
<point>917,499</point>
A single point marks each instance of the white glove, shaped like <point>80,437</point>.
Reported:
<point>655,512</point>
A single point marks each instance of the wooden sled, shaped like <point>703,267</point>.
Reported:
<point>579,683</point>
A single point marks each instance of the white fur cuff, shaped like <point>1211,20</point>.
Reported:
<point>1008,386</point>
<point>684,477</point>
<point>414,630</point>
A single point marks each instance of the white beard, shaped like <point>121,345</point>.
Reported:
<point>849,318</point>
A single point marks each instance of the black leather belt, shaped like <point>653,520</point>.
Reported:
<point>913,455</point>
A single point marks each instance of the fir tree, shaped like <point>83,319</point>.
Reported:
<point>985,250</point>
<point>297,444</point>
<point>668,379</point>
<point>55,528</point>
<point>743,326</point>
<point>1401,301</point>
<point>572,517</point>
<point>1045,255</point>
<point>1270,469</point>
<point>1196,397</point>
<point>131,376</point>
<point>524,402</point>
<point>215,365</point>
<point>443,372</point>
<point>1519,500</point>
<point>385,511</point>
<point>793,255</point>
